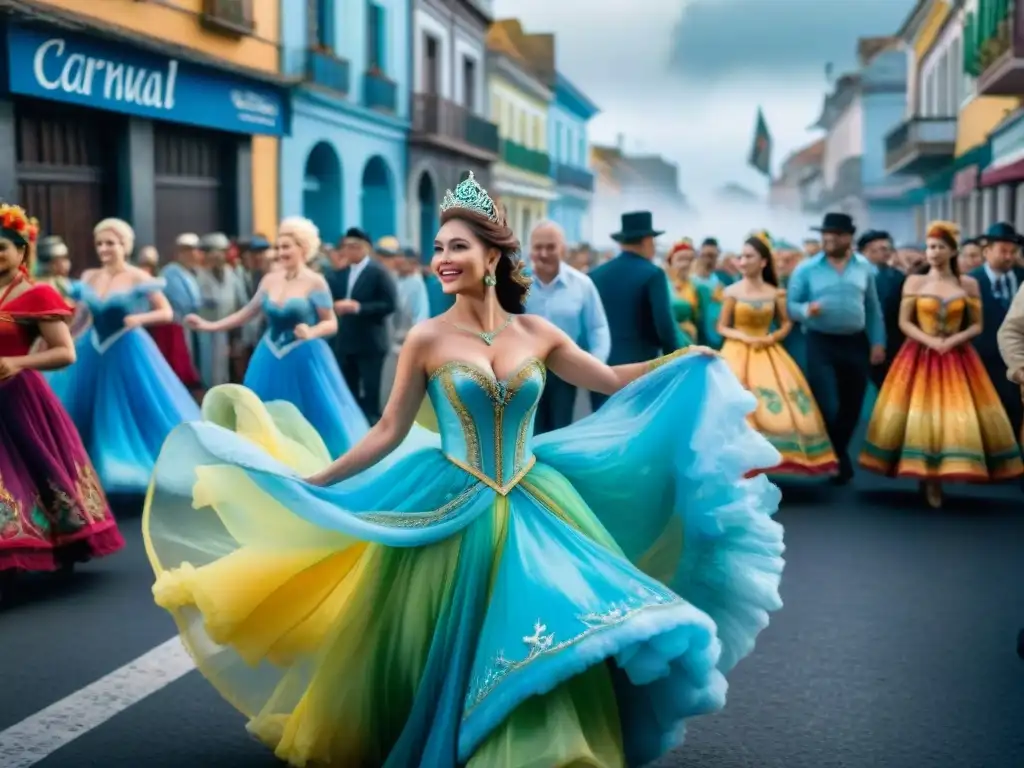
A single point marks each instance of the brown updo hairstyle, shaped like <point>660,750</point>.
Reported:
<point>759,242</point>
<point>949,233</point>
<point>511,285</point>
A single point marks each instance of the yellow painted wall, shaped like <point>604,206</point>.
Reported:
<point>177,21</point>
<point>978,119</point>
<point>265,172</point>
<point>930,29</point>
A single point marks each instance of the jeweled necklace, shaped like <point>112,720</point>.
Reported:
<point>487,337</point>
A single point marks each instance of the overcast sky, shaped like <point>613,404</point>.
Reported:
<point>684,78</point>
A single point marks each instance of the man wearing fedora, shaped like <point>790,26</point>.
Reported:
<point>999,278</point>
<point>635,295</point>
<point>833,294</point>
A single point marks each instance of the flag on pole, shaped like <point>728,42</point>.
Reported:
<point>761,151</point>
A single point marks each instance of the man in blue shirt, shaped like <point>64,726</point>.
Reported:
<point>833,294</point>
<point>567,297</point>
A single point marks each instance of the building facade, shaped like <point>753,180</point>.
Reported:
<point>569,147</point>
<point>994,62</point>
<point>862,110</point>
<point>923,144</point>
<point>519,102</point>
<point>176,132</point>
<point>627,182</point>
<point>451,134</point>
<point>788,189</point>
<point>344,164</point>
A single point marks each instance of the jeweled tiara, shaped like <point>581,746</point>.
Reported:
<point>471,196</point>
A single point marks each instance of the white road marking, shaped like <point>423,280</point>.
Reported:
<point>40,735</point>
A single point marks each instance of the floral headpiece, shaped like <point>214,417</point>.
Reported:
<point>946,231</point>
<point>471,196</point>
<point>684,244</point>
<point>16,225</point>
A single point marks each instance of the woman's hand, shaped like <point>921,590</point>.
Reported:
<point>302,332</point>
<point>195,322</point>
<point>942,346</point>
<point>760,342</point>
<point>9,368</point>
<point>132,321</point>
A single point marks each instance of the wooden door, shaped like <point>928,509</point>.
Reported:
<point>62,155</point>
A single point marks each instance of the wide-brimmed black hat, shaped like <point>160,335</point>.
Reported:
<point>636,226</point>
<point>839,223</point>
<point>1002,232</point>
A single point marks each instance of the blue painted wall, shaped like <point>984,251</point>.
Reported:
<point>569,144</point>
<point>884,101</point>
<point>344,164</point>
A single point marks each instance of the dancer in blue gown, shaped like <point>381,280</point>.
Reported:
<point>121,394</point>
<point>478,597</point>
<point>292,362</point>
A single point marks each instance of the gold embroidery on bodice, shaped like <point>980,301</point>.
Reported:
<point>753,317</point>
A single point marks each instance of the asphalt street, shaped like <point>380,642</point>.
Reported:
<point>896,648</point>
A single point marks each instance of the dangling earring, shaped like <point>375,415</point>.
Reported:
<point>489,280</point>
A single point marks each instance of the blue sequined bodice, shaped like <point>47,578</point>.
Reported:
<point>486,424</point>
<point>283,317</point>
<point>108,313</point>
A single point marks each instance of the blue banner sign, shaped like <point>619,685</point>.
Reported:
<point>102,74</point>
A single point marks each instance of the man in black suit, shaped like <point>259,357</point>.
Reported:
<point>635,295</point>
<point>364,296</point>
<point>999,278</point>
<point>876,246</point>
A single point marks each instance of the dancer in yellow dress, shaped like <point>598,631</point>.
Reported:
<point>938,417</point>
<point>786,414</point>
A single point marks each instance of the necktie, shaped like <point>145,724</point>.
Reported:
<point>1003,285</point>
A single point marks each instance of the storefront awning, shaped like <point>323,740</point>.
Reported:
<point>1003,174</point>
<point>965,181</point>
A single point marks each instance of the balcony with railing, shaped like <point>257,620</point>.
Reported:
<point>920,145</point>
<point>328,71</point>
<point>438,121</point>
<point>379,92</point>
<point>994,47</point>
<point>524,158</point>
<point>572,176</point>
<point>234,18</point>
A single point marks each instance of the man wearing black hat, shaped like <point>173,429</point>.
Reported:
<point>999,278</point>
<point>833,294</point>
<point>364,297</point>
<point>876,246</point>
<point>635,295</point>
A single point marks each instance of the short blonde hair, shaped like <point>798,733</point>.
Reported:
<point>305,234</point>
<point>122,231</point>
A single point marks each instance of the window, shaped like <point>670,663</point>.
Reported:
<point>584,161</point>
<point>323,31</point>
<point>520,137</point>
<point>431,65</point>
<point>942,87</point>
<point>469,83</point>
<point>376,36</point>
<point>558,141</point>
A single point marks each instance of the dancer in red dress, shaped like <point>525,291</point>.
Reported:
<point>53,512</point>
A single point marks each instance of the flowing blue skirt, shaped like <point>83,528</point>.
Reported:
<point>124,399</point>
<point>415,616</point>
<point>306,375</point>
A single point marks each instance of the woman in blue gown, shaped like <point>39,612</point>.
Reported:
<point>121,394</point>
<point>292,362</point>
<point>481,596</point>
